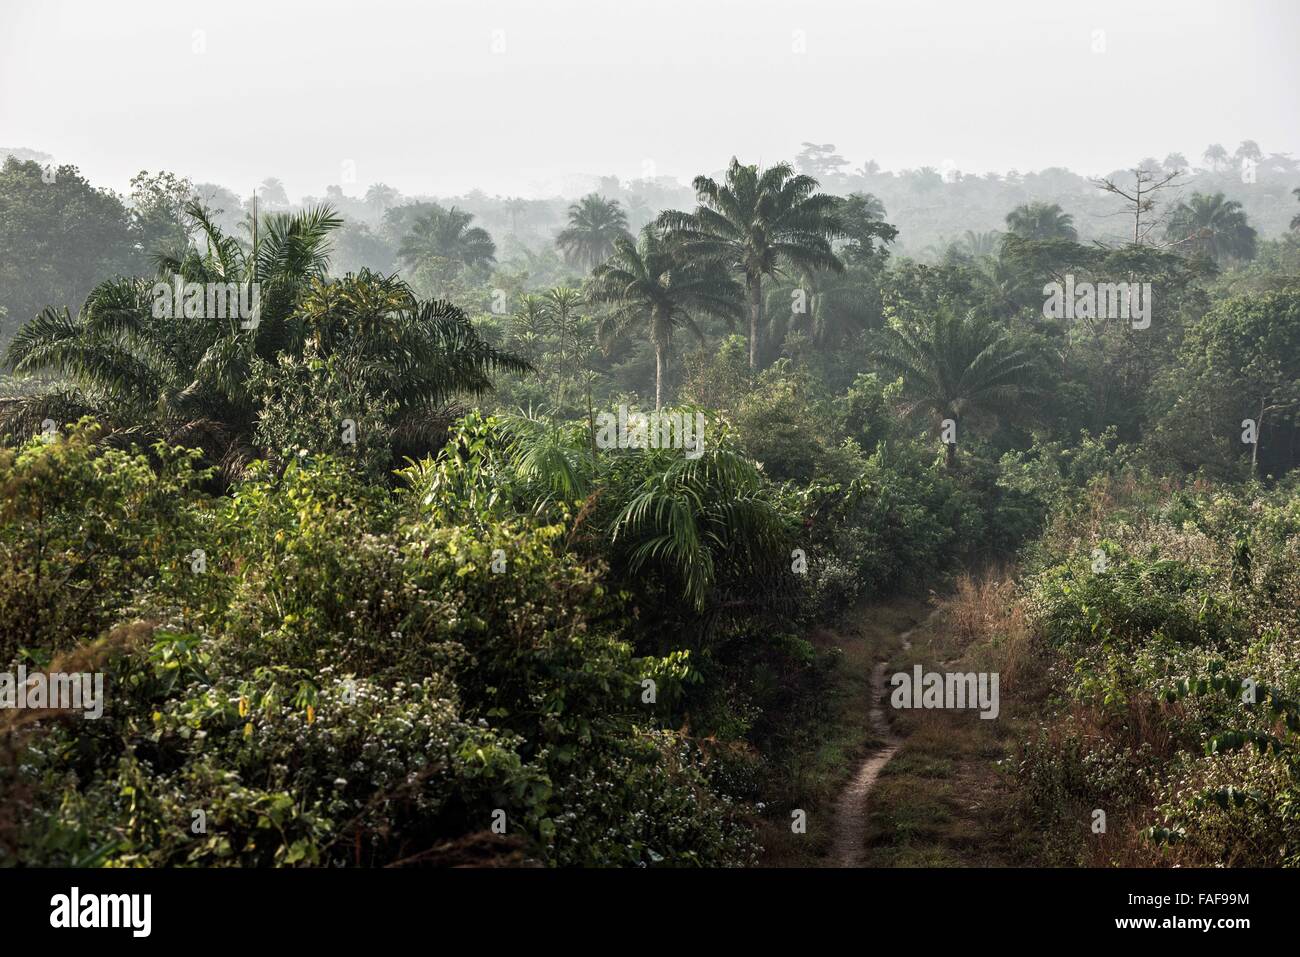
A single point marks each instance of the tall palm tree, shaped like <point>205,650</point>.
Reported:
<point>956,366</point>
<point>513,207</point>
<point>274,193</point>
<point>595,223</point>
<point>380,196</point>
<point>758,222</point>
<point>1041,221</point>
<point>1213,227</point>
<point>1215,155</point>
<point>445,235</point>
<point>1248,150</point>
<point>653,285</point>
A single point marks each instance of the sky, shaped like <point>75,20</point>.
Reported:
<point>518,98</point>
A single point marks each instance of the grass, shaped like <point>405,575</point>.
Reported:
<point>946,799</point>
<point>868,634</point>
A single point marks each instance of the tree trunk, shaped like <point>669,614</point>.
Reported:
<point>1254,446</point>
<point>951,455</point>
<point>659,376</point>
<point>591,422</point>
<point>755,284</point>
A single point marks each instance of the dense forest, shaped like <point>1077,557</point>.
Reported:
<point>413,530</point>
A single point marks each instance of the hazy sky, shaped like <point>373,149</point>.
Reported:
<point>512,96</point>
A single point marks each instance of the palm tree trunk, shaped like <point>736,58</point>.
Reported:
<point>755,284</point>
<point>659,376</point>
<point>1254,447</point>
<point>951,453</point>
<point>253,254</point>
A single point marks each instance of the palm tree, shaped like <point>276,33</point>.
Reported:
<point>571,333</point>
<point>691,518</point>
<point>513,207</point>
<point>978,245</point>
<point>1213,227</point>
<point>1215,155</point>
<point>925,180</point>
<point>653,285</point>
<point>1248,150</point>
<point>190,380</point>
<point>1004,285</point>
<point>595,223</point>
<point>638,211</point>
<point>528,328</point>
<point>839,307</point>
<point>956,366</point>
<point>707,529</point>
<point>758,222</point>
<point>1175,161</point>
<point>274,194</point>
<point>380,196</point>
<point>1041,221</point>
<point>445,235</point>
<point>184,379</point>
<point>415,354</point>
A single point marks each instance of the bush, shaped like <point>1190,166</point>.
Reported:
<point>354,682</point>
<point>83,529</point>
<point>1157,609</point>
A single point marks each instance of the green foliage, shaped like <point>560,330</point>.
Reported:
<point>651,284</point>
<point>357,684</point>
<point>401,616</point>
<point>1155,633</point>
<point>957,366</point>
<point>1240,360</point>
<point>596,224</point>
<point>759,222</point>
<point>384,358</point>
<point>82,529</point>
<point>1041,221</point>
<point>1212,227</point>
<point>58,237</point>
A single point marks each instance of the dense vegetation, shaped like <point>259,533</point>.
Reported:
<point>1175,650</point>
<point>366,579</point>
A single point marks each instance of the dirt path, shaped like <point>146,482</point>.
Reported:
<point>847,849</point>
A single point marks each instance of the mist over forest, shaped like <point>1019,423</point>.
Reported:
<point>791,512</point>
<point>940,214</point>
